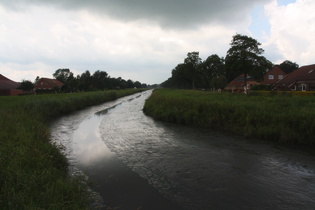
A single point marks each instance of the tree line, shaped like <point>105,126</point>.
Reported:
<point>99,80</point>
<point>244,57</point>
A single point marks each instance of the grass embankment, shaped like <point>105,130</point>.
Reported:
<point>33,172</point>
<point>282,118</point>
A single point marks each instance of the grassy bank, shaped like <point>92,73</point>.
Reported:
<point>284,118</point>
<point>33,172</point>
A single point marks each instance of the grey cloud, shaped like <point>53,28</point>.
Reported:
<point>166,13</point>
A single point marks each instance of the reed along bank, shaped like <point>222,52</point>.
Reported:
<point>33,171</point>
<point>286,118</point>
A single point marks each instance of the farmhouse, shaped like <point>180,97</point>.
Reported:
<point>9,87</point>
<point>302,79</point>
<point>48,84</point>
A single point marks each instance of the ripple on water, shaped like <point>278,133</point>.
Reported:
<point>196,168</point>
<point>202,169</point>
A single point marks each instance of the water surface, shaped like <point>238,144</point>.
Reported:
<point>136,162</point>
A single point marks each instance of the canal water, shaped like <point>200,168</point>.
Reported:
<point>134,162</point>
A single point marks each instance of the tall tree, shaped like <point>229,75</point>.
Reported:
<point>85,80</point>
<point>62,75</point>
<point>245,56</point>
<point>213,72</point>
<point>100,79</point>
<point>180,77</point>
<point>288,66</point>
<point>192,61</point>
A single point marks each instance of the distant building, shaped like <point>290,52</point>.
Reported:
<point>237,85</point>
<point>301,79</point>
<point>9,87</point>
<point>48,84</point>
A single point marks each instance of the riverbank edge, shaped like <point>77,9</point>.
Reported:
<point>33,171</point>
<point>272,118</point>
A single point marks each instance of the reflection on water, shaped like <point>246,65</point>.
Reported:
<point>115,184</point>
<point>87,144</point>
<point>197,169</point>
<point>78,134</point>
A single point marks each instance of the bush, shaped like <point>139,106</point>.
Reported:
<point>261,87</point>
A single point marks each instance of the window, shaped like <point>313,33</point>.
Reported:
<point>303,86</point>
<point>280,76</point>
<point>270,76</point>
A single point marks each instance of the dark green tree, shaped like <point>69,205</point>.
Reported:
<point>72,84</point>
<point>192,62</point>
<point>137,84</point>
<point>288,66</point>
<point>245,57</point>
<point>100,80</point>
<point>169,83</point>
<point>67,78</point>
<point>26,85</point>
<point>213,72</point>
<point>122,83</point>
<point>180,77</point>
<point>130,84</point>
<point>85,80</point>
<point>62,75</point>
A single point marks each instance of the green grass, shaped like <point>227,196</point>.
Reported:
<point>33,172</point>
<point>283,118</point>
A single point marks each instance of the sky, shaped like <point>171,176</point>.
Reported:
<point>144,40</point>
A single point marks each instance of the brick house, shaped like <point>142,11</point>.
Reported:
<point>9,87</point>
<point>46,84</point>
<point>273,76</point>
<point>302,79</point>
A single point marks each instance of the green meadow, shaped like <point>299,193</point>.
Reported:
<point>33,172</point>
<point>287,118</point>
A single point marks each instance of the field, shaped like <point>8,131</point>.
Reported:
<point>287,118</point>
<point>33,172</point>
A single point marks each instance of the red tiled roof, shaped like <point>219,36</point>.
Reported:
<point>302,74</point>
<point>238,82</point>
<point>46,83</point>
<point>7,84</point>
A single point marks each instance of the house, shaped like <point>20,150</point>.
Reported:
<point>273,76</point>
<point>47,84</point>
<point>9,87</point>
<point>302,79</point>
<point>237,85</point>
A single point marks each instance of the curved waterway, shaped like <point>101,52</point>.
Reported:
<point>134,162</point>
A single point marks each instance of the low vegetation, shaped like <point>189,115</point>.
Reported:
<point>33,172</point>
<point>279,117</point>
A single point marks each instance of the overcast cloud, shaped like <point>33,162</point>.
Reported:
<point>142,39</point>
<point>166,13</point>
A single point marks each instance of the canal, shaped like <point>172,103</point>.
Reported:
<point>134,162</point>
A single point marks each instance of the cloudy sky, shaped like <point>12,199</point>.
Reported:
<point>144,40</point>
